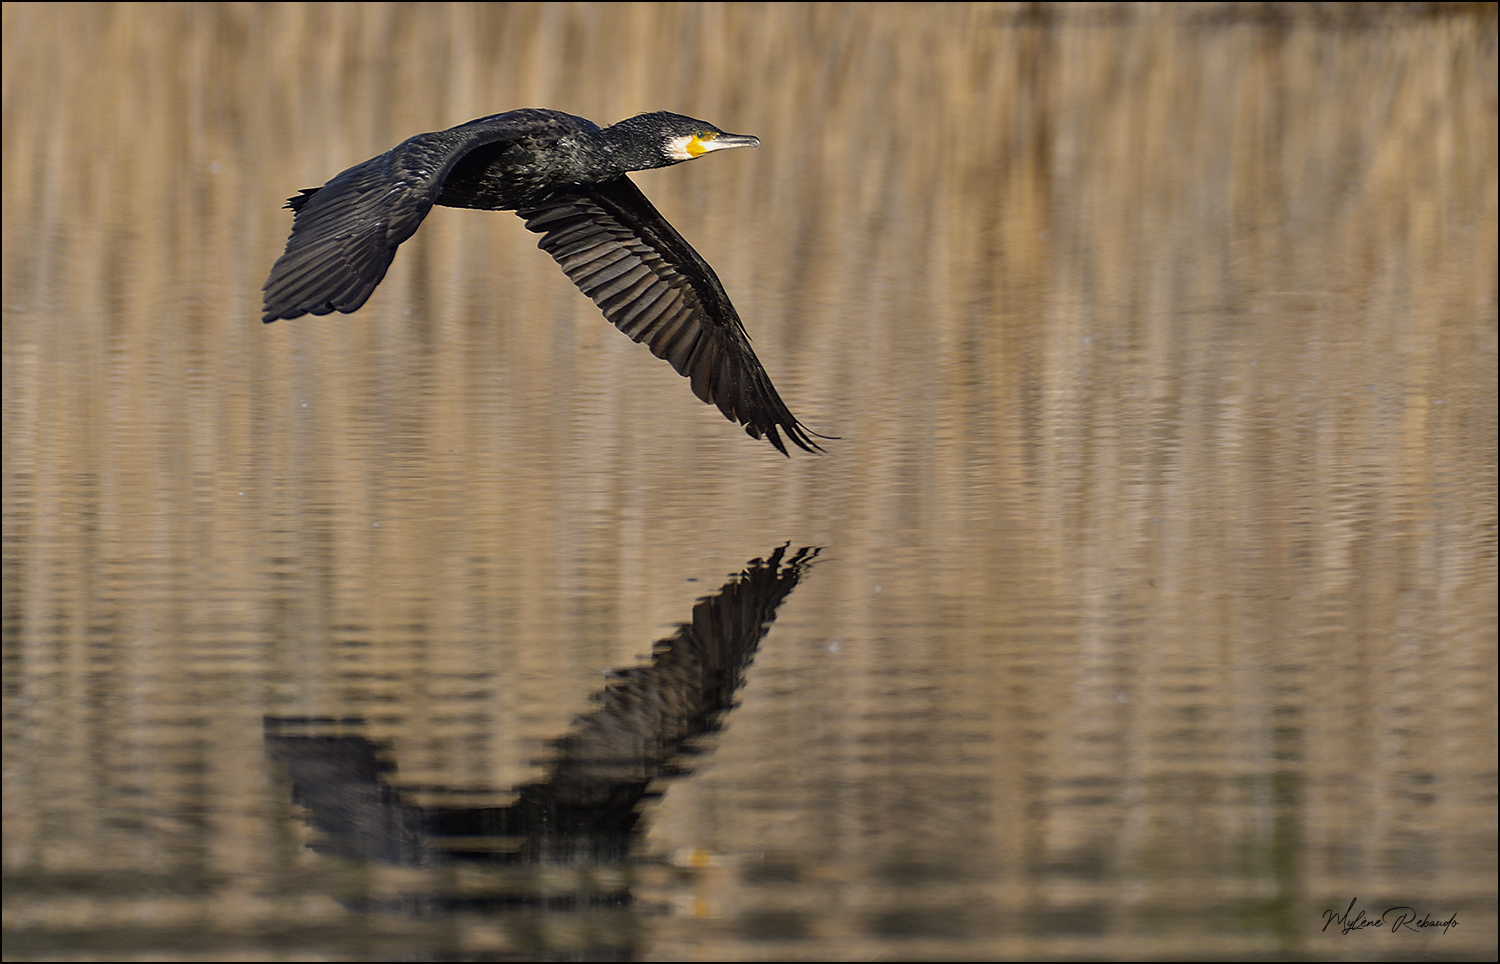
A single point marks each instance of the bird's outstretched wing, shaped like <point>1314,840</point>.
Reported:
<point>618,249</point>
<point>346,232</point>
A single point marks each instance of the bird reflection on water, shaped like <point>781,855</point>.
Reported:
<point>642,729</point>
<point>567,178</point>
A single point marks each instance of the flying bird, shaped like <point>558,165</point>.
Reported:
<point>566,177</point>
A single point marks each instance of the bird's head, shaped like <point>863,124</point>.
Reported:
<point>662,138</point>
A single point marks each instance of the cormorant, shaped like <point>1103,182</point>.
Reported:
<point>565,176</point>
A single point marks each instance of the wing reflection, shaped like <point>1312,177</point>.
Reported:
<point>642,728</point>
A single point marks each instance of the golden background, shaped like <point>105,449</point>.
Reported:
<point>1157,608</point>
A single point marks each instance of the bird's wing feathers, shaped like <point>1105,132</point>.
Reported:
<point>346,232</point>
<point>614,245</point>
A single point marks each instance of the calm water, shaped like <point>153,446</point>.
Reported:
<point>1148,599</point>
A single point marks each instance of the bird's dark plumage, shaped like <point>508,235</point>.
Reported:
<point>567,178</point>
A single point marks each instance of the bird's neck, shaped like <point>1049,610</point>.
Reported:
<point>620,149</point>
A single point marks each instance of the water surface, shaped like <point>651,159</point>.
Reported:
<point>1155,612</point>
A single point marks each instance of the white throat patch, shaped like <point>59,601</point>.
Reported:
<point>677,148</point>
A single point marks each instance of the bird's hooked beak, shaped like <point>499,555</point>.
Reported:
<point>700,144</point>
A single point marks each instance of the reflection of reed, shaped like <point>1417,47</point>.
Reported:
<point>1164,354</point>
<point>641,729</point>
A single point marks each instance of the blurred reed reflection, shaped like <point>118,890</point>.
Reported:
<point>1157,612</point>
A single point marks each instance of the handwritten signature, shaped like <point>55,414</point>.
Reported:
<point>1399,918</point>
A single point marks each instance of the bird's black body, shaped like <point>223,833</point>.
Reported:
<point>567,178</point>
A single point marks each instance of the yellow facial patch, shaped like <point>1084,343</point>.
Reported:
<point>697,145</point>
